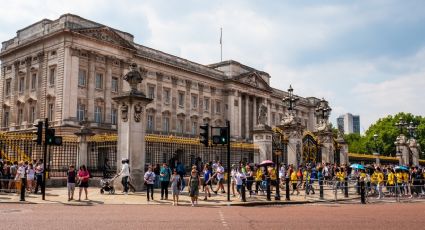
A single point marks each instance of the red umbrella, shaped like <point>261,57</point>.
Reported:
<point>266,163</point>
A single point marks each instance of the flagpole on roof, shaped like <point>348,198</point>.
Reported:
<point>221,44</point>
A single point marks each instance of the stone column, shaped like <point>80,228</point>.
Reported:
<point>71,71</point>
<point>343,151</point>
<point>82,154</point>
<point>269,112</point>
<point>239,133</point>
<point>131,126</point>
<point>246,116</point>
<point>402,150</point>
<point>254,112</point>
<point>326,141</point>
<point>263,142</point>
<point>91,75</point>
<point>294,148</point>
<point>415,149</point>
<point>377,161</point>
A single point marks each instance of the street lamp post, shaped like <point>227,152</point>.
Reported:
<point>401,124</point>
<point>290,100</point>
<point>411,128</point>
<point>376,153</point>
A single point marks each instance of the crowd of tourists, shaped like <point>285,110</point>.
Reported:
<point>12,173</point>
<point>251,179</point>
<point>254,179</point>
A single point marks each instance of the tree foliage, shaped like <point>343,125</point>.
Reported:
<point>387,133</point>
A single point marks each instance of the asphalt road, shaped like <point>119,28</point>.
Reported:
<point>347,216</point>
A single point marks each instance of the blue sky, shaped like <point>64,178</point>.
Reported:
<point>365,57</point>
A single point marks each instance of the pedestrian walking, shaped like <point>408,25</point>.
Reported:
<point>379,182</point>
<point>124,173</point>
<point>39,171</point>
<point>207,181</point>
<point>149,182</point>
<point>193,184</point>
<point>239,177</point>
<point>249,179</point>
<point>21,179</point>
<point>294,181</point>
<point>220,177</point>
<point>30,177</point>
<point>175,186</point>
<point>83,181</point>
<point>164,177</point>
<point>70,183</point>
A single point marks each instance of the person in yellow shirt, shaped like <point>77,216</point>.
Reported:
<point>294,181</point>
<point>374,182</point>
<point>379,182</point>
<point>340,175</point>
<point>399,182</point>
<point>405,176</point>
<point>391,181</point>
<point>258,179</point>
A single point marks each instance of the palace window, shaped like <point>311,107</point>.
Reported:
<point>98,114</point>
<point>273,118</point>
<point>114,84</point>
<point>166,124</point>
<point>8,87</point>
<point>181,99</point>
<point>180,125</point>
<point>50,112</point>
<point>20,116</point>
<point>114,113</point>
<point>32,114</point>
<point>194,127</point>
<point>99,81</point>
<point>21,84</point>
<point>82,77</point>
<point>6,119</point>
<point>194,101</point>
<point>33,81</point>
<point>81,110</point>
<point>206,104</point>
<point>52,75</point>
<point>217,107</point>
<point>167,95</point>
<point>151,92</point>
<point>150,123</point>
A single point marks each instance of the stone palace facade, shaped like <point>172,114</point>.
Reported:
<point>68,69</point>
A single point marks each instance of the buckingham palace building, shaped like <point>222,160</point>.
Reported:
<point>68,69</point>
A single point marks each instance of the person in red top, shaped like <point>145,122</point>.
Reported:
<point>83,178</point>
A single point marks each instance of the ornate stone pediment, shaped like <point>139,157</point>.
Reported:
<point>107,35</point>
<point>253,79</point>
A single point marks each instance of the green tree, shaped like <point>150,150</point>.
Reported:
<point>387,133</point>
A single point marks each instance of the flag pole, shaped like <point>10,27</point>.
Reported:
<point>221,44</point>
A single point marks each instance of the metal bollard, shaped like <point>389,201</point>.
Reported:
<point>321,188</point>
<point>277,195</point>
<point>287,187</point>
<point>362,192</point>
<point>243,190</point>
<point>346,187</point>
<point>268,189</point>
<point>23,188</point>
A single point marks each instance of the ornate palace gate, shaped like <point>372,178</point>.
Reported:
<point>312,152</point>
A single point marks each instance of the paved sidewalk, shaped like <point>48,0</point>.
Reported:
<point>59,195</point>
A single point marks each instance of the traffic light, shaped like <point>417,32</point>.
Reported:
<point>51,139</point>
<point>39,138</point>
<point>222,138</point>
<point>204,134</point>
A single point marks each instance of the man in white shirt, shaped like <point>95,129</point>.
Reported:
<point>220,177</point>
<point>125,173</point>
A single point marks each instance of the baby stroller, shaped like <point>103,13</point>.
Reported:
<point>107,185</point>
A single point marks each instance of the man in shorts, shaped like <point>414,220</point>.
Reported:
<point>220,177</point>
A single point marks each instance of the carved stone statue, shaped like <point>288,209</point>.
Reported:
<point>323,126</point>
<point>137,112</point>
<point>134,77</point>
<point>124,112</point>
<point>288,119</point>
<point>262,114</point>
